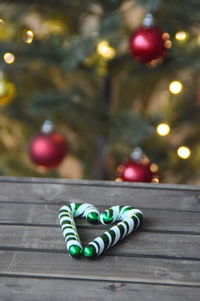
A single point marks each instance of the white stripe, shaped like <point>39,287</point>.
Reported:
<point>73,242</point>
<point>69,230</point>
<point>101,217</point>
<point>67,219</point>
<point>131,223</point>
<point>72,205</point>
<point>73,238</point>
<point>101,244</point>
<point>117,234</point>
<point>109,237</point>
<point>122,216</point>
<point>93,244</point>
<point>115,213</point>
<point>125,228</point>
<point>138,221</point>
<point>71,227</point>
<point>67,208</point>
<point>81,209</point>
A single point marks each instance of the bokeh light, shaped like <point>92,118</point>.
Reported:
<point>175,87</point>
<point>183,152</point>
<point>163,129</point>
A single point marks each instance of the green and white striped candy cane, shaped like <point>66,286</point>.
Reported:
<point>130,219</point>
<point>66,216</point>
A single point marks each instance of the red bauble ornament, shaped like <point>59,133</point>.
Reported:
<point>48,149</point>
<point>148,43</point>
<point>133,171</point>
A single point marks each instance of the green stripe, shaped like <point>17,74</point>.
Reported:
<point>105,240</point>
<point>125,222</point>
<point>121,229</point>
<point>97,245</point>
<point>136,221</point>
<point>112,233</point>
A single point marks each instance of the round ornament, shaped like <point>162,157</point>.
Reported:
<point>148,43</point>
<point>133,171</point>
<point>48,149</point>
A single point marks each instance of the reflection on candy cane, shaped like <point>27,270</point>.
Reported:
<point>68,226</point>
<point>130,220</point>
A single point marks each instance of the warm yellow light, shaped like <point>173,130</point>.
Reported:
<point>118,180</point>
<point>181,35</point>
<point>163,129</point>
<point>1,21</point>
<point>175,87</point>
<point>29,36</point>
<point>183,152</point>
<point>168,44</point>
<point>105,50</point>
<point>153,167</point>
<point>155,180</point>
<point>9,58</point>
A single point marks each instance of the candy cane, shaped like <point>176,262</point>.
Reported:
<point>68,226</point>
<point>130,220</point>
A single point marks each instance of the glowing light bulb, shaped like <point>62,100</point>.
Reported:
<point>155,180</point>
<point>183,152</point>
<point>181,35</point>
<point>163,129</point>
<point>153,167</point>
<point>1,21</point>
<point>105,50</point>
<point>9,57</point>
<point>175,87</point>
<point>29,37</point>
<point>118,180</point>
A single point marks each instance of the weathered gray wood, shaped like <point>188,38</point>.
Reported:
<point>23,289</point>
<point>104,193</point>
<point>160,262</point>
<point>113,268</point>
<point>5,179</point>
<point>154,220</point>
<point>139,243</point>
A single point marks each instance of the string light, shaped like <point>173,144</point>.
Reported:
<point>9,57</point>
<point>153,167</point>
<point>155,180</point>
<point>181,35</point>
<point>167,41</point>
<point>105,50</point>
<point>163,129</point>
<point>175,87</point>
<point>29,36</point>
<point>118,180</point>
<point>183,152</point>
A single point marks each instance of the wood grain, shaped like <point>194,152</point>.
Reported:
<point>159,262</point>
<point>145,196</point>
<point>23,289</point>
<point>154,219</point>
<point>112,268</point>
<point>137,244</point>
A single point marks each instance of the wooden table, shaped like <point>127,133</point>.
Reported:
<point>159,262</point>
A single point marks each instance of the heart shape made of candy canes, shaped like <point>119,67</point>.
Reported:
<point>128,219</point>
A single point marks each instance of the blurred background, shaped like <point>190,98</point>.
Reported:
<point>100,89</point>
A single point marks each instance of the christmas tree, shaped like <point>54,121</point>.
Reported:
<point>111,76</point>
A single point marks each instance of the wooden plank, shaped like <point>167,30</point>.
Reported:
<point>106,193</point>
<point>139,243</point>
<point>106,268</point>
<point>23,289</point>
<point>8,179</point>
<point>154,220</point>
